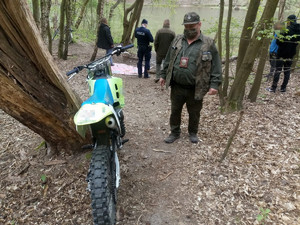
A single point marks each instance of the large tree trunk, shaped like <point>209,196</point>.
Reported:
<point>36,12</point>
<point>260,70</point>
<point>80,17</point>
<point>100,8</point>
<point>33,91</point>
<point>247,31</point>
<point>235,97</point>
<point>129,23</point>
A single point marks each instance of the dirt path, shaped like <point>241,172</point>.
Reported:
<point>177,184</point>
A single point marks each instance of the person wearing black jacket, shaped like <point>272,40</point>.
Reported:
<point>286,52</point>
<point>144,37</point>
<point>105,40</point>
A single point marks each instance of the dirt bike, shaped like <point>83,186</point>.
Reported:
<point>102,114</point>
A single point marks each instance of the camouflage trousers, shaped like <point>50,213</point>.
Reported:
<point>181,95</point>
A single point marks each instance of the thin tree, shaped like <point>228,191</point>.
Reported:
<point>81,14</point>
<point>112,9</point>
<point>36,12</point>
<point>45,24</point>
<point>67,36</point>
<point>227,39</point>
<point>236,94</point>
<point>260,70</point>
<point>61,29</point>
<point>131,22</point>
<point>220,27</point>
<point>281,9</point>
<point>247,30</point>
<point>100,8</point>
<point>33,90</point>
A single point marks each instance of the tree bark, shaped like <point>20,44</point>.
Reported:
<point>246,32</point>
<point>36,12</point>
<point>235,97</point>
<point>33,91</point>
<point>100,8</point>
<point>81,14</point>
<point>260,70</point>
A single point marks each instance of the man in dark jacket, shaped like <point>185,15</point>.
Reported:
<point>163,39</point>
<point>192,68</point>
<point>144,37</point>
<point>105,40</point>
<point>286,52</point>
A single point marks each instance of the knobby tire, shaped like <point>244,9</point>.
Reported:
<point>102,186</point>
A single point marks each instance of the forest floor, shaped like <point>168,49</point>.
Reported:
<point>177,184</point>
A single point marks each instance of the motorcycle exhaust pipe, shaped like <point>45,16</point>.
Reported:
<point>110,122</point>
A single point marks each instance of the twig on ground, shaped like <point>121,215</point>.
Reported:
<point>166,176</point>
<point>232,136</point>
<point>138,221</point>
<point>157,150</point>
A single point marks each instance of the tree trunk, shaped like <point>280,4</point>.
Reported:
<point>67,36</point>
<point>100,8</point>
<point>219,41</point>
<point>80,17</point>
<point>112,9</point>
<point>281,9</point>
<point>134,17</point>
<point>36,12</point>
<point>235,97</point>
<point>227,39</point>
<point>246,32</point>
<point>33,91</point>
<point>49,29</point>
<point>45,11</point>
<point>260,70</point>
<point>220,27</point>
<point>61,29</point>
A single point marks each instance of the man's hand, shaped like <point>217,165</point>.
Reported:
<point>212,91</point>
<point>162,82</point>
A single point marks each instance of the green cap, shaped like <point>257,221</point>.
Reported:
<point>191,18</point>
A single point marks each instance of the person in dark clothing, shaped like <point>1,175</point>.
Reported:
<point>192,68</point>
<point>286,51</point>
<point>105,40</point>
<point>273,51</point>
<point>162,41</point>
<point>144,37</point>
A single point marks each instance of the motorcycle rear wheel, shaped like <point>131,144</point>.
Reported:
<point>102,186</point>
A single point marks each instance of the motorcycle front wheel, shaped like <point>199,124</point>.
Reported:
<point>102,186</point>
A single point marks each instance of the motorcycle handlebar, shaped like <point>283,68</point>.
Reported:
<point>117,51</point>
<point>127,47</point>
<point>75,70</point>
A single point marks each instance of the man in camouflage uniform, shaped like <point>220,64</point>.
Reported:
<point>192,68</point>
<point>162,41</point>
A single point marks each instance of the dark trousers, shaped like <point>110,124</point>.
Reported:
<point>273,59</point>
<point>286,65</point>
<point>143,51</point>
<point>179,97</point>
